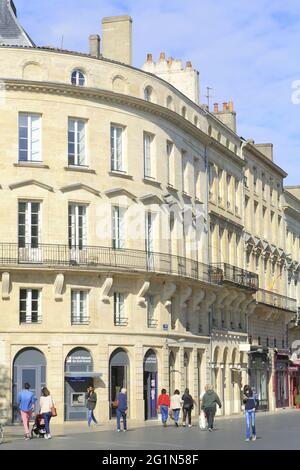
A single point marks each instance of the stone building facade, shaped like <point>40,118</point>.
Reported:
<point>128,252</point>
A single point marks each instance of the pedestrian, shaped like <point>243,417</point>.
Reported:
<point>188,405</point>
<point>91,401</point>
<point>210,401</point>
<point>46,405</point>
<point>26,402</point>
<point>122,408</point>
<point>164,403</point>
<point>251,404</point>
<point>175,406</point>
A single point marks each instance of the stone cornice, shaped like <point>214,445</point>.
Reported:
<point>119,98</point>
<point>252,149</point>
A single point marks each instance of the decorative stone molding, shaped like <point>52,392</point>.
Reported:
<point>185,294</point>
<point>58,286</point>
<point>78,186</point>
<point>106,287</point>
<point>6,286</point>
<point>168,292</point>
<point>141,301</point>
<point>209,299</point>
<point>220,296</point>
<point>21,184</point>
<point>238,301</point>
<point>197,298</point>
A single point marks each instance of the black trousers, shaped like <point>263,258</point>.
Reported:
<point>210,414</point>
<point>187,412</point>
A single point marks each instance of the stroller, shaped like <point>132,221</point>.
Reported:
<point>38,428</point>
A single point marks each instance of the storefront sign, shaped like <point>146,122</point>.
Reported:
<point>79,360</point>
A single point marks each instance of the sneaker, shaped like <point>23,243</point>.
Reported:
<point>253,438</point>
<point>27,437</point>
<point>125,430</point>
<point>210,429</point>
<point>46,436</point>
<point>190,425</point>
<point>119,430</point>
<point>247,440</point>
<point>183,424</point>
<point>49,436</point>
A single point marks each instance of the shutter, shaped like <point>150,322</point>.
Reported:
<point>35,138</point>
<point>122,228</point>
<point>119,148</point>
<point>113,147</point>
<point>81,143</point>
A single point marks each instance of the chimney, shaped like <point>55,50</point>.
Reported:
<point>230,106</point>
<point>216,107</point>
<point>162,56</point>
<point>149,58</point>
<point>117,38</point>
<point>95,45</point>
<point>189,64</point>
<point>170,60</point>
<point>225,106</point>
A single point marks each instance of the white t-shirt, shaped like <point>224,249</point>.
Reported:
<point>46,404</point>
<point>175,402</point>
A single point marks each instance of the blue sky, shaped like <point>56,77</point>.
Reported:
<point>245,51</point>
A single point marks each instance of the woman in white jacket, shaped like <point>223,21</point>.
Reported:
<point>46,403</point>
<point>176,406</point>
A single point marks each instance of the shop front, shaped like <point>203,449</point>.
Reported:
<point>79,375</point>
<point>259,374</point>
<point>282,379</point>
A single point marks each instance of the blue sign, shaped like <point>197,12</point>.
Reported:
<point>165,327</point>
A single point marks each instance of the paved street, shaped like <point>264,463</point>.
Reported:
<point>274,431</point>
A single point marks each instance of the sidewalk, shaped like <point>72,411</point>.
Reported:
<point>73,428</point>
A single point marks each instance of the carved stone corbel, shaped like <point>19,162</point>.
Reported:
<point>106,287</point>
<point>197,298</point>
<point>58,286</point>
<point>185,295</point>
<point>141,301</point>
<point>209,299</point>
<point>5,286</point>
<point>168,292</point>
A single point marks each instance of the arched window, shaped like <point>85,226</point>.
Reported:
<point>183,111</point>
<point>170,102</point>
<point>148,93</point>
<point>196,121</point>
<point>77,78</point>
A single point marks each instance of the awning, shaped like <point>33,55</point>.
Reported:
<point>83,374</point>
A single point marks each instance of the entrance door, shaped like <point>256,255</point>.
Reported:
<point>29,367</point>
<point>150,385</point>
<point>118,378</point>
<point>118,381</point>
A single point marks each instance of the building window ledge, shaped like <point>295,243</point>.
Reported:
<point>31,165</point>
<point>152,181</point>
<point>120,174</point>
<point>83,169</point>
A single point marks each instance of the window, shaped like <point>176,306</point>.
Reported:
<point>148,93</point>
<point>259,341</point>
<point>184,171</point>
<point>183,112</point>
<point>79,307</point>
<point>30,138</point>
<point>30,310</point>
<point>149,232</point>
<point>118,227</point>
<point>77,226</point>
<point>229,191</point>
<point>196,121</point>
<point>169,162</point>
<point>170,102</point>
<point>29,224</point>
<point>197,178</point>
<point>148,170</point>
<point>77,78</point>
<point>120,318</point>
<point>116,133</point>
<point>254,178</point>
<point>152,322</point>
<point>76,142</point>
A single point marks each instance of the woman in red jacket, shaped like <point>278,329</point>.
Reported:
<point>164,402</point>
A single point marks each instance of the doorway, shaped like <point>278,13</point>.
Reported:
<point>119,377</point>
<point>150,385</point>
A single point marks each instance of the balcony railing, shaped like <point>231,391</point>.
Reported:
<point>96,256</point>
<point>239,277</point>
<point>121,321</point>
<point>276,300</point>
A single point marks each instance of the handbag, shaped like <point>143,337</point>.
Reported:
<point>115,404</point>
<point>53,411</point>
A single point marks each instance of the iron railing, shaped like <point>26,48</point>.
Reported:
<point>98,256</point>
<point>276,300</point>
<point>152,323</point>
<point>238,276</point>
<point>121,321</point>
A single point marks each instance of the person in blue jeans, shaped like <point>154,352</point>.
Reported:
<point>163,402</point>
<point>122,409</point>
<point>251,404</point>
<point>91,401</point>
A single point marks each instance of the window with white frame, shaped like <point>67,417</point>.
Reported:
<point>77,78</point>
<point>117,159</point>
<point>152,322</point>
<point>29,224</point>
<point>148,93</point>
<point>149,231</point>
<point>79,307</point>
<point>197,178</point>
<point>77,142</point>
<point>184,171</point>
<point>120,318</point>
<point>30,306</point>
<point>170,163</point>
<point>30,137</point>
<point>77,226</point>
<point>118,227</point>
<point>148,157</point>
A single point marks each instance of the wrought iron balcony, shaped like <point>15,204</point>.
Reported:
<point>238,276</point>
<point>275,300</point>
<point>97,257</point>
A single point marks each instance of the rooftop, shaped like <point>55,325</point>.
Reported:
<point>11,32</point>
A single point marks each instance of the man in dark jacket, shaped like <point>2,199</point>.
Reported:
<point>210,400</point>
<point>91,401</point>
